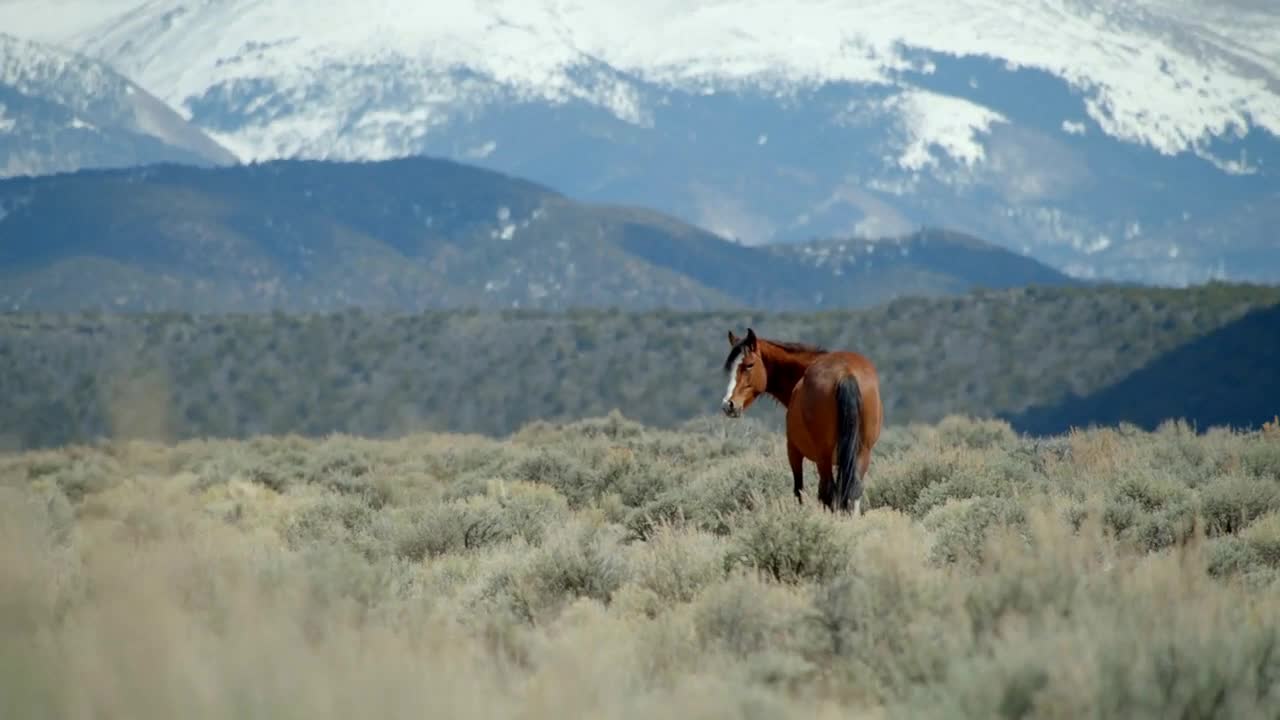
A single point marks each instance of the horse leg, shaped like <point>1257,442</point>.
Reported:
<point>796,459</point>
<point>826,484</point>
<point>864,462</point>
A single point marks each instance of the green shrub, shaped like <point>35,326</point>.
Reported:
<point>1230,503</point>
<point>1263,538</point>
<point>979,434</point>
<point>562,471</point>
<point>960,527</point>
<point>900,484</point>
<point>1261,458</point>
<point>790,543</point>
<point>1149,509</point>
<point>579,559</point>
<point>517,509</point>
<point>676,563</point>
<point>331,519</point>
<point>83,473</point>
<point>978,474</point>
<point>710,497</point>
<point>745,615</point>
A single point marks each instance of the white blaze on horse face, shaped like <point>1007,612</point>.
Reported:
<point>733,380</point>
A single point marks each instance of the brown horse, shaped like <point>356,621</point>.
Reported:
<point>833,407</point>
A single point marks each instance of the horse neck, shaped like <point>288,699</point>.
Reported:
<point>785,368</point>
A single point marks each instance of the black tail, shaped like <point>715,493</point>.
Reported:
<point>849,441</point>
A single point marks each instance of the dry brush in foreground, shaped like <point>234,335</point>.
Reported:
<point>608,570</point>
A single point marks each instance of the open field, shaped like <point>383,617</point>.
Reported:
<point>610,570</point>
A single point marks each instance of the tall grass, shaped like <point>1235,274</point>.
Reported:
<point>607,570</point>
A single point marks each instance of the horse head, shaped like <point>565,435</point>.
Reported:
<point>748,377</point>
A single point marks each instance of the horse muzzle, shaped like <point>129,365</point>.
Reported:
<point>730,409</point>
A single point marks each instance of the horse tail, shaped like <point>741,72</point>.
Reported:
<point>848,440</point>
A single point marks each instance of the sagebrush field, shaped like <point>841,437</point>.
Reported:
<point>606,569</point>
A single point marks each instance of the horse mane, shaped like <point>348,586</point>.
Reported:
<point>790,347</point>
<point>797,347</point>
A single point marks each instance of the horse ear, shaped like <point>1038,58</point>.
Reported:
<point>733,339</point>
<point>751,338</point>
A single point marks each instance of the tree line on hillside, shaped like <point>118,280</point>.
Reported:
<point>76,377</point>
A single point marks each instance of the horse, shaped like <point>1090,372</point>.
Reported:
<point>832,401</point>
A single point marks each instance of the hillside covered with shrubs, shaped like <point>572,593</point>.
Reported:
<point>77,377</point>
<point>609,569</point>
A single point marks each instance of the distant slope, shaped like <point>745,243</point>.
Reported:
<point>414,234</point>
<point>1230,376</point>
<point>930,262</point>
<point>80,376</point>
<point>61,112</point>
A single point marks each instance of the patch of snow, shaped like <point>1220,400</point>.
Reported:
<point>1240,166</point>
<point>1165,73</point>
<point>949,123</point>
<point>1102,242</point>
<point>1073,127</point>
<point>899,187</point>
<point>481,151</point>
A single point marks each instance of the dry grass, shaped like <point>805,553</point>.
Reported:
<point>607,570</point>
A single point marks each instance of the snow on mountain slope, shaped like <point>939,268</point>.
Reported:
<point>1055,127</point>
<point>61,111</point>
<point>1167,73</point>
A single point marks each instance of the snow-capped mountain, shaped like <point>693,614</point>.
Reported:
<point>61,112</point>
<point>1110,140</point>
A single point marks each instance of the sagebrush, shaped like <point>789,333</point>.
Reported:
<point>607,569</point>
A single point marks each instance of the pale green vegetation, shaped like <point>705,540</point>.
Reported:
<point>611,570</point>
<point>73,378</point>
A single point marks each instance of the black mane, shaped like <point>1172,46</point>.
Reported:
<point>791,347</point>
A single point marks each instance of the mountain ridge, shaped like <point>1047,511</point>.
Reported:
<point>411,234</point>
<point>1113,143</point>
<point>61,111</point>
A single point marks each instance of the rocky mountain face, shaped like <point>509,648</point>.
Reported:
<point>1135,142</point>
<point>60,112</point>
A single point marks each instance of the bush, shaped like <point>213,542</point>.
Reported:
<point>714,495</point>
<point>1154,511</point>
<point>579,559</point>
<point>677,563</point>
<point>960,526</point>
<point>788,542</point>
<point>606,569</point>
<point>976,434</point>
<point>1230,503</point>
<point>899,485</point>
<point>746,615</point>
<point>1263,538</point>
<point>978,475</point>
<point>518,509</point>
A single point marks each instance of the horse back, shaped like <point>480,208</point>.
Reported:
<point>823,377</point>
<point>829,369</point>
